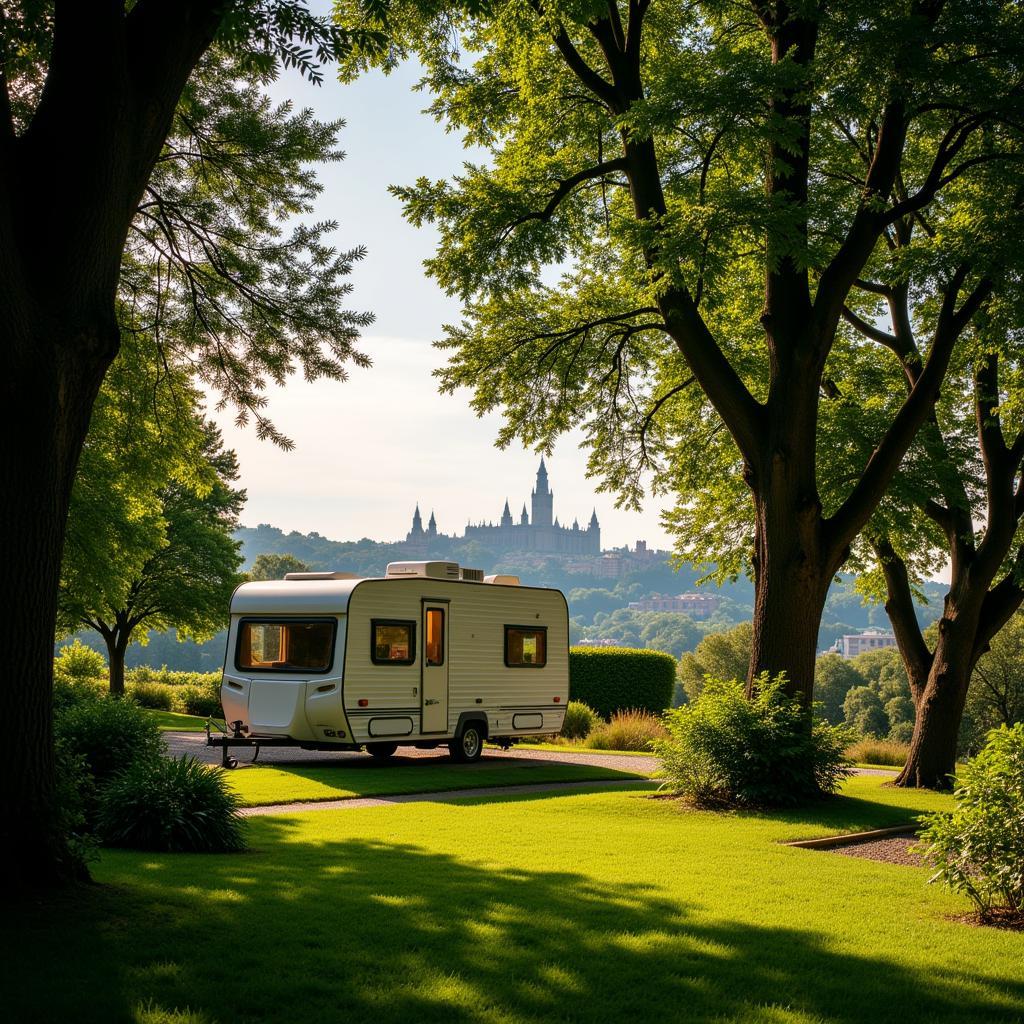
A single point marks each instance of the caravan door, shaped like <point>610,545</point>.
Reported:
<point>434,688</point>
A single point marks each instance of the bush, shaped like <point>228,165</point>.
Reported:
<point>727,751</point>
<point>979,848</point>
<point>579,721</point>
<point>77,663</point>
<point>74,794</point>
<point>155,696</point>
<point>202,699</point>
<point>881,752</point>
<point>610,679</point>
<point>628,730</point>
<point>171,806</point>
<point>109,733</point>
<point>170,677</point>
<point>68,693</point>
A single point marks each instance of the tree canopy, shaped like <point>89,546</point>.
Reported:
<point>680,211</point>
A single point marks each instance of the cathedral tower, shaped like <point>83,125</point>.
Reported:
<point>543,499</point>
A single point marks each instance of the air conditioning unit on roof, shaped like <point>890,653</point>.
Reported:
<point>432,570</point>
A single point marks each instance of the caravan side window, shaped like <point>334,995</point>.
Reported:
<point>392,642</point>
<point>526,646</point>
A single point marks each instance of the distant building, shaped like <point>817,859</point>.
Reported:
<point>538,532</point>
<point>852,644</point>
<point>697,606</point>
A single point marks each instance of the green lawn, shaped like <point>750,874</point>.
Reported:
<point>590,908</point>
<point>177,722</point>
<point>577,748</point>
<point>266,784</point>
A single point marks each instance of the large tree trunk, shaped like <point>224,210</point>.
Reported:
<point>45,402</point>
<point>940,707</point>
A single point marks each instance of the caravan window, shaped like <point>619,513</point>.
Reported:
<point>285,645</point>
<point>392,642</point>
<point>526,646</point>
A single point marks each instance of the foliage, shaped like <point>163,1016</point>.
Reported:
<point>579,721</point>
<point>996,693</point>
<point>863,711</point>
<point>171,677</point>
<point>174,805</point>
<point>77,663</point>
<point>74,796</point>
<point>154,696</point>
<point>880,752</point>
<point>627,730</point>
<point>203,700</point>
<point>610,679</point>
<point>727,751</point>
<point>720,655</point>
<point>274,567</point>
<point>979,848</point>
<point>109,734</point>
<point>834,677</point>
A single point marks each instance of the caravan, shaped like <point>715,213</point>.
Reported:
<point>429,654</point>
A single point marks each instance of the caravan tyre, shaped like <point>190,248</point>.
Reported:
<point>468,745</point>
<point>381,751</point>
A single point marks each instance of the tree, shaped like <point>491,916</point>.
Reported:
<point>179,574</point>
<point>960,499</point>
<point>996,693</point>
<point>274,567</point>
<point>712,180</point>
<point>834,677</point>
<point>720,655</point>
<point>89,97</point>
<point>863,711</point>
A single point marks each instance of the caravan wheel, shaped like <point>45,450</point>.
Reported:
<point>468,745</point>
<point>381,751</point>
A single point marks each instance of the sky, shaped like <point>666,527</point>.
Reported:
<point>369,449</point>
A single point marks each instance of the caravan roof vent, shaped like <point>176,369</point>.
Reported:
<point>321,576</point>
<point>503,581</point>
<point>473,575</point>
<point>434,570</point>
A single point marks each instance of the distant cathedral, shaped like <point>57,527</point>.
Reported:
<point>539,532</point>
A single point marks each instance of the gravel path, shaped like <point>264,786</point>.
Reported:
<point>441,797</point>
<point>194,743</point>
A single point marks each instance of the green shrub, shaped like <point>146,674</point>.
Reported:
<point>610,679</point>
<point>109,733</point>
<point>69,693</point>
<point>979,848</point>
<point>74,795</point>
<point>199,699</point>
<point>76,662</point>
<point>883,752</point>
<point>171,806</point>
<point>727,751</point>
<point>628,730</point>
<point>155,696</point>
<point>579,721</point>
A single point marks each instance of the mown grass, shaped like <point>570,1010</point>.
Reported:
<point>577,747</point>
<point>176,722</point>
<point>340,780</point>
<point>597,908</point>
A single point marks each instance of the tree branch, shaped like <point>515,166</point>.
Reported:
<point>903,616</point>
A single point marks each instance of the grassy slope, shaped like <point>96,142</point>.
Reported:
<point>266,784</point>
<point>596,908</point>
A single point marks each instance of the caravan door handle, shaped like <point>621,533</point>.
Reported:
<point>431,702</point>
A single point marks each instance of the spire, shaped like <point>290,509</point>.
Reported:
<point>432,525</point>
<point>417,520</point>
<point>575,524</point>
<point>524,519</point>
<point>542,478</point>
<point>506,515</point>
<point>593,519</point>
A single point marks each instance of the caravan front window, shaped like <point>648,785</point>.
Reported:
<point>285,645</point>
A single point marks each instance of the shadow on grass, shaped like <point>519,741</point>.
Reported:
<point>365,931</point>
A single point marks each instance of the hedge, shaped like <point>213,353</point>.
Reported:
<point>611,679</point>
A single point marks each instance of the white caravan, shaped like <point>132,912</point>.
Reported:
<point>429,654</point>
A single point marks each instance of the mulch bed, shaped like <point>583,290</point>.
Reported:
<point>893,850</point>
